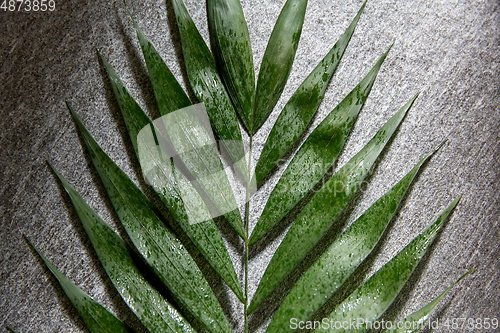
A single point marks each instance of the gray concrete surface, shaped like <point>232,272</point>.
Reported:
<point>447,49</point>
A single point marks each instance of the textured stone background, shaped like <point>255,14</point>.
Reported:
<point>448,50</point>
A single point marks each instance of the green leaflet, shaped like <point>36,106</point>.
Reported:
<point>416,320</point>
<point>147,303</point>
<point>323,209</point>
<point>11,329</point>
<point>171,97</point>
<point>189,132</point>
<point>168,92</point>
<point>97,318</point>
<point>302,106</point>
<point>207,85</point>
<point>370,300</point>
<point>205,235</point>
<point>341,258</point>
<point>135,119</point>
<point>316,155</point>
<point>185,204</point>
<point>157,244</point>
<point>278,60</point>
<point>233,54</point>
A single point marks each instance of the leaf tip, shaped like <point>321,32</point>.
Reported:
<point>468,272</point>
<point>72,112</point>
<point>28,240</point>
<point>132,18</point>
<point>433,151</point>
<point>101,56</point>
<point>363,6</point>
<point>50,165</point>
<point>442,143</point>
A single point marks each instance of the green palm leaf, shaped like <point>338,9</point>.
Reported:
<point>97,318</point>
<point>417,319</point>
<point>171,97</point>
<point>233,54</point>
<point>278,59</point>
<point>181,159</point>
<point>204,235</point>
<point>157,244</point>
<point>342,257</point>
<point>145,301</point>
<point>318,153</point>
<point>206,83</point>
<point>135,119</point>
<point>301,107</point>
<point>323,209</point>
<point>370,300</point>
<point>168,92</point>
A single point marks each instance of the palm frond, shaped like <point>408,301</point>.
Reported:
<point>184,162</point>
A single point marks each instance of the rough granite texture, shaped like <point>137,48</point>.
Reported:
<point>448,50</point>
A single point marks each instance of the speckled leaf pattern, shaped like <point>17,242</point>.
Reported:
<point>188,208</point>
<point>417,319</point>
<point>168,92</point>
<point>301,107</point>
<point>316,155</point>
<point>97,318</point>
<point>204,235</point>
<point>189,132</point>
<point>146,302</point>
<point>171,97</point>
<point>233,54</point>
<point>157,244</point>
<point>206,83</point>
<point>323,209</point>
<point>135,119</point>
<point>370,300</point>
<point>341,258</point>
<point>278,60</point>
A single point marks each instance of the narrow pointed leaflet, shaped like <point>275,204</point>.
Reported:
<point>204,235</point>
<point>189,132</point>
<point>417,319</point>
<point>233,54</point>
<point>157,244</point>
<point>207,85</point>
<point>97,318</point>
<point>185,130</point>
<point>135,119</point>
<point>341,258</point>
<point>323,209</point>
<point>184,202</point>
<point>316,155</point>
<point>168,92</point>
<point>372,298</point>
<point>301,107</point>
<point>146,302</point>
<point>278,60</point>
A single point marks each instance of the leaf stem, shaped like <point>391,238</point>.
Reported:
<point>247,222</point>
